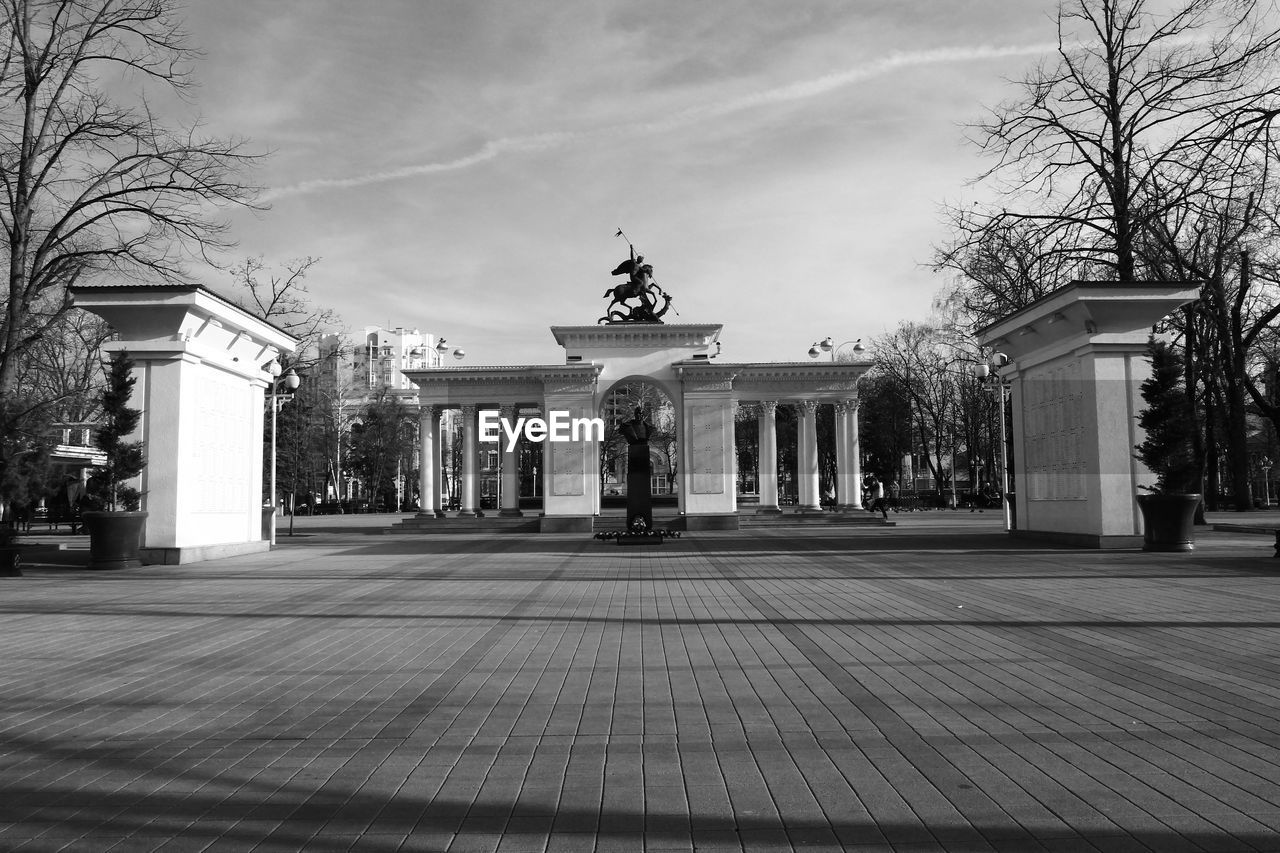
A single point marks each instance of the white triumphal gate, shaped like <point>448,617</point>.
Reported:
<point>1074,361</point>
<point>705,393</point>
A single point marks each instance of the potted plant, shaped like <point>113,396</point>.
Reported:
<point>1168,512</point>
<point>113,522</point>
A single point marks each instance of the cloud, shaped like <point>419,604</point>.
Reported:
<point>802,90</point>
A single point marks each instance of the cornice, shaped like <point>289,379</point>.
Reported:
<point>800,371</point>
<point>627,335</point>
<point>472,375</point>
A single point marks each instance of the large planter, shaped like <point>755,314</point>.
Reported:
<point>1168,521</point>
<point>114,539</point>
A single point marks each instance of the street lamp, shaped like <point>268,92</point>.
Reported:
<point>1265,462</point>
<point>826,345</point>
<point>290,382</point>
<point>988,373</point>
<point>443,349</point>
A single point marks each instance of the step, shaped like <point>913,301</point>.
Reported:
<point>451,524</point>
<point>813,519</point>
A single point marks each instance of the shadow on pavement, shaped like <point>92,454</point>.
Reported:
<point>200,807</point>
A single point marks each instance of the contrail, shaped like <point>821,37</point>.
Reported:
<point>489,151</point>
<point>892,62</point>
<point>791,92</point>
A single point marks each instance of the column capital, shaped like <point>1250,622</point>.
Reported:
<point>848,405</point>
<point>469,410</point>
<point>768,407</point>
<point>508,411</point>
<point>808,406</point>
<point>429,411</point>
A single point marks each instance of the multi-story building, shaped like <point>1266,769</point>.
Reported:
<point>375,360</point>
<point>350,372</point>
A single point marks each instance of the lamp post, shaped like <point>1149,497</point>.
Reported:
<point>826,345</point>
<point>989,374</point>
<point>1265,462</point>
<point>843,443</point>
<point>290,381</point>
<point>443,349</point>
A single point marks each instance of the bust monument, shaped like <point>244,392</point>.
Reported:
<point>639,472</point>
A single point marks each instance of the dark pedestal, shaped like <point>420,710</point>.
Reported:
<point>639,500</point>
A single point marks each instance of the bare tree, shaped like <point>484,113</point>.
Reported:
<point>337,401</point>
<point>379,443</point>
<point>1224,234</point>
<point>1000,265</point>
<point>64,368</point>
<point>1127,155</point>
<point>95,185</point>
<point>1128,93</point>
<point>924,363</point>
<point>280,297</point>
<point>324,405</point>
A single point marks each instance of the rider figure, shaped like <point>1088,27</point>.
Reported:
<point>641,281</point>
<point>640,286</point>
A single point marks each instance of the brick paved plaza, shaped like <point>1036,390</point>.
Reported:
<point>926,687</point>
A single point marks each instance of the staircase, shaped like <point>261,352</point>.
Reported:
<point>490,523</point>
<point>612,520</point>
<point>751,521</point>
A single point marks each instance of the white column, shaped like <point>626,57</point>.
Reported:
<point>731,454</point>
<point>768,457</point>
<point>855,456</point>
<point>842,456</point>
<point>548,471</point>
<point>510,485</point>
<point>848,462</point>
<point>469,490</point>
<point>808,455</point>
<point>428,461</point>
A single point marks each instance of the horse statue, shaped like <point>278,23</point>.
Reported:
<point>640,286</point>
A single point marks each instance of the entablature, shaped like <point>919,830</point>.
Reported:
<point>485,385</point>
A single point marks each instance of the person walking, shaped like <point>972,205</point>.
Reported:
<point>878,502</point>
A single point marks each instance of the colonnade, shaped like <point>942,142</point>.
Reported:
<point>431,463</point>
<point>848,455</point>
<point>848,464</point>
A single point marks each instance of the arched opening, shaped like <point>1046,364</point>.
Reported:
<point>617,407</point>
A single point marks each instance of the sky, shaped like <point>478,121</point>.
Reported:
<point>462,166</point>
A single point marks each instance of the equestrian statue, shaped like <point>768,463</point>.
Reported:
<point>639,286</point>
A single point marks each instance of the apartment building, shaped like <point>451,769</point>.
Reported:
<point>375,360</point>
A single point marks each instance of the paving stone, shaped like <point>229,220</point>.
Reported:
<point>771,690</point>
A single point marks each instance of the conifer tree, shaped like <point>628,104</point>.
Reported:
<point>1167,419</point>
<point>107,489</point>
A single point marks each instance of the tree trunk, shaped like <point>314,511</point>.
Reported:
<point>1230,362</point>
<point>1237,446</point>
<point>1189,356</point>
<point>1211,450</point>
